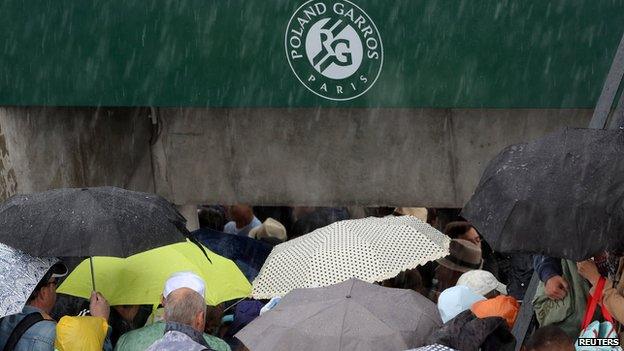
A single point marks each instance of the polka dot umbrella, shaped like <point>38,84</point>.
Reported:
<point>371,249</point>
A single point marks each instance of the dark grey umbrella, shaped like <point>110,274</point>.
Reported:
<point>561,195</point>
<point>353,315</point>
<point>104,221</point>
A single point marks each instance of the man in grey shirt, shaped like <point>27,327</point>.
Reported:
<point>243,220</point>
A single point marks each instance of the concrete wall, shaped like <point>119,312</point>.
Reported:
<point>8,179</point>
<point>59,147</point>
<point>268,156</point>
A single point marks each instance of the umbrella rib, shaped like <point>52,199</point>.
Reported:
<point>41,242</point>
<point>382,321</point>
<point>502,230</point>
<point>198,244</point>
<point>344,317</point>
<point>124,237</point>
<point>116,224</point>
<point>329,306</point>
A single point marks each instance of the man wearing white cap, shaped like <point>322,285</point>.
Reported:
<point>185,314</point>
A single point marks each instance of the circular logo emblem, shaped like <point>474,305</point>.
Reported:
<point>334,49</point>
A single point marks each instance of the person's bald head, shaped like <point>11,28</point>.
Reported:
<point>186,306</point>
<point>241,214</point>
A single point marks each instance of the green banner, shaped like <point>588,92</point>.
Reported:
<point>278,53</point>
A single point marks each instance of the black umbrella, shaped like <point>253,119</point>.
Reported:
<point>104,221</point>
<point>560,195</point>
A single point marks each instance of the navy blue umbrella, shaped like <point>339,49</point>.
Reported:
<point>248,254</point>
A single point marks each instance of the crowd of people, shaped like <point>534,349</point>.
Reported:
<point>478,292</point>
<point>501,279</point>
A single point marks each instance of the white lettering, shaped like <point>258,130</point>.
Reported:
<point>320,8</point>
<point>324,87</point>
<point>349,14</point>
<point>300,33</point>
<point>302,22</point>
<point>371,43</point>
<point>366,31</point>
<point>339,8</point>
<point>295,42</point>
<point>360,21</point>
<point>309,13</point>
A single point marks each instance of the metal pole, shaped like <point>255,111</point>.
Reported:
<point>609,90</point>
<point>617,119</point>
<point>521,327</point>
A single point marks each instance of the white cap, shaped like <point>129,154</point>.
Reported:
<point>481,282</point>
<point>456,300</point>
<point>188,280</point>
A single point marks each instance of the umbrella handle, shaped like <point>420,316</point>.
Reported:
<point>92,274</point>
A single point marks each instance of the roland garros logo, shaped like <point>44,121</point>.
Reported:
<point>334,49</point>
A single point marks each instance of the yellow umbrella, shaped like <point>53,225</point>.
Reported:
<point>139,279</point>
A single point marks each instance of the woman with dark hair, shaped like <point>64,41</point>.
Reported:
<point>462,230</point>
<point>466,231</point>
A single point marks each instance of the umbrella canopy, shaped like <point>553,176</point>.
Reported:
<point>352,315</point>
<point>371,249</point>
<point>561,195</point>
<point>248,254</point>
<point>104,221</point>
<point>19,275</point>
<point>139,279</point>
